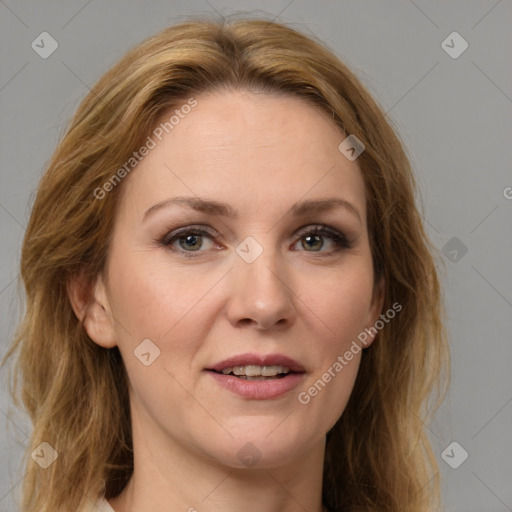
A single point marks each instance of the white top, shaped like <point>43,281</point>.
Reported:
<point>102,505</point>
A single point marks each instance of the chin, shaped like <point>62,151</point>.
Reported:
<point>262,448</point>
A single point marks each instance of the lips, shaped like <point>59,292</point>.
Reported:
<point>258,360</point>
<point>258,388</point>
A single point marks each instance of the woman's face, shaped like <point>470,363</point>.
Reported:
<point>233,274</point>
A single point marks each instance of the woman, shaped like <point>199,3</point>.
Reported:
<point>231,300</point>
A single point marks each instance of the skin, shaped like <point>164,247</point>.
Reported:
<point>260,154</point>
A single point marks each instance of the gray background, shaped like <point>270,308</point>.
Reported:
<point>454,116</point>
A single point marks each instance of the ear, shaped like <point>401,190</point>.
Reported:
<point>91,306</point>
<point>376,306</point>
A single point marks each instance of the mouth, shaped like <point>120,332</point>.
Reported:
<point>256,372</point>
<point>258,366</point>
<point>254,376</point>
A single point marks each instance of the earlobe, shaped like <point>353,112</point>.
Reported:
<point>90,304</point>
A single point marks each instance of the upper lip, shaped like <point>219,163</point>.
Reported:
<point>258,360</point>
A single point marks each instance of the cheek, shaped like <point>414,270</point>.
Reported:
<point>153,299</point>
<point>340,310</point>
<point>174,309</point>
<point>342,301</point>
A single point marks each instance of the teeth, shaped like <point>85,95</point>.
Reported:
<point>253,370</point>
<point>270,371</point>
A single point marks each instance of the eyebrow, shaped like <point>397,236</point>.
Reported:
<point>298,209</point>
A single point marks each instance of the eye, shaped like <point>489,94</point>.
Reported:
<point>313,237</point>
<point>196,239</point>
<point>189,239</point>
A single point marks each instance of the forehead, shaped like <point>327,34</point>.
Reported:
<point>251,150</point>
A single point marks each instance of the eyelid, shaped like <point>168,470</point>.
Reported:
<point>309,228</point>
<point>196,228</point>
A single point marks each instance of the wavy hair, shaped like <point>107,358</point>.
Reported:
<point>378,456</point>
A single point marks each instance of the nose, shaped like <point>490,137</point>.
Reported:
<point>261,293</point>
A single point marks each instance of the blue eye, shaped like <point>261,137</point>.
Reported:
<point>189,239</point>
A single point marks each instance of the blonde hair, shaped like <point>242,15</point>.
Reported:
<point>378,457</point>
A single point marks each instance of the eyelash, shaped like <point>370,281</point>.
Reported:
<point>338,238</point>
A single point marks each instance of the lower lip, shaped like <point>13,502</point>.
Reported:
<point>258,389</point>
